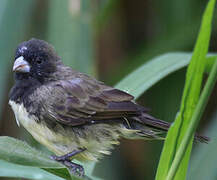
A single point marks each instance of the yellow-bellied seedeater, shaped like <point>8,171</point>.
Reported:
<point>74,115</point>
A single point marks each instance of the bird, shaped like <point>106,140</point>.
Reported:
<point>74,115</point>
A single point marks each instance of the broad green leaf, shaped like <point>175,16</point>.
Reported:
<point>189,101</point>
<point>153,71</point>
<point>19,171</point>
<point>137,82</point>
<point>19,152</point>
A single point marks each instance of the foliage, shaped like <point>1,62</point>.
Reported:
<point>73,36</point>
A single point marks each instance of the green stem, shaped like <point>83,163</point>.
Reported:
<point>194,121</point>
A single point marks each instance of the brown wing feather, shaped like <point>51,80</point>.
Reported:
<point>83,99</point>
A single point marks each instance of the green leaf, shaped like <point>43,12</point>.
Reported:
<point>153,71</point>
<point>63,173</point>
<point>189,101</point>
<point>137,82</point>
<point>209,62</point>
<point>19,152</point>
<point>194,120</point>
<point>19,171</point>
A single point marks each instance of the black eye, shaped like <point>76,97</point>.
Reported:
<point>39,61</point>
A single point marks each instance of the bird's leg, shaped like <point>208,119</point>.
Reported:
<point>67,157</point>
<point>65,160</point>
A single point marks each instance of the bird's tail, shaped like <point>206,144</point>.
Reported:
<point>150,128</point>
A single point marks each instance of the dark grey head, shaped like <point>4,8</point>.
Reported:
<point>35,59</point>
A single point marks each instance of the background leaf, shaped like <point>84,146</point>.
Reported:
<point>156,69</point>
<point>8,14</point>
<point>72,19</point>
<point>205,156</point>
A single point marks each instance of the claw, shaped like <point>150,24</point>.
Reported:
<point>74,168</point>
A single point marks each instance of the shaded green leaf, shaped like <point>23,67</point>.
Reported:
<point>63,173</point>
<point>19,152</point>
<point>14,170</point>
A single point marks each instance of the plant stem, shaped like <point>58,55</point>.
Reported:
<point>194,121</point>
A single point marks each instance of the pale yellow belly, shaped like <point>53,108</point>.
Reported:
<point>64,141</point>
<point>38,130</point>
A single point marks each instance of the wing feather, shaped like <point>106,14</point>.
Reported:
<point>82,100</point>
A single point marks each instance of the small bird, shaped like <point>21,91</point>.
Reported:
<point>72,114</point>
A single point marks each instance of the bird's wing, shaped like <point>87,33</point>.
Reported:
<point>79,101</point>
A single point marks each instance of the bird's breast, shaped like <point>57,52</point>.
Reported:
<point>22,116</point>
<point>38,130</point>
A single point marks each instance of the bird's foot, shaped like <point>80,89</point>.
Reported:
<point>74,168</point>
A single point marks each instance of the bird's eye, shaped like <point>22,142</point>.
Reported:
<point>39,61</point>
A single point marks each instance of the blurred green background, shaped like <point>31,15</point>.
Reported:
<point>108,39</point>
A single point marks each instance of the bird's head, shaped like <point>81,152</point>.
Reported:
<point>35,59</point>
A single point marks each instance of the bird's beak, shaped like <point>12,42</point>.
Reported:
<point>21,65</point>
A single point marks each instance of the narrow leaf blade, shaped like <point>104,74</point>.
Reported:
<point>189,101</point>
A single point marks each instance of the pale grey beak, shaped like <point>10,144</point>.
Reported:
<point>21,65</point>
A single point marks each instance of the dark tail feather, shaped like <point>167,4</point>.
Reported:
<point>160,125</point>
<point>202,139</point>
